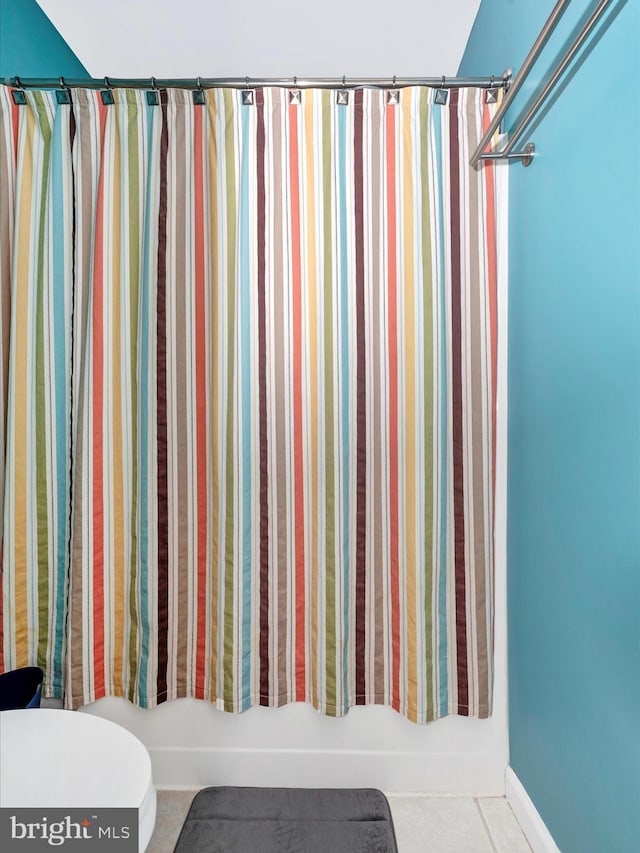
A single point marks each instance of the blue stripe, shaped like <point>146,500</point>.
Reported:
<point>246,112</point>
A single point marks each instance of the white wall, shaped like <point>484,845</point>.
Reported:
<point>265,38</point>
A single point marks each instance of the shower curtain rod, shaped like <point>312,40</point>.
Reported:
<point>443,82</point>
<point>528,152</point>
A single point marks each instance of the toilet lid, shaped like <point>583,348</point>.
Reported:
<point>67,759</point>
<point>64,759</point>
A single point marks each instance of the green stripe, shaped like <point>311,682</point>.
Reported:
<point>229,556</point>
<point>41,378</point>
<point>134,281</point>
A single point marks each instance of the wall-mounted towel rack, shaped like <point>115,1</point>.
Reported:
<point>527,153</point>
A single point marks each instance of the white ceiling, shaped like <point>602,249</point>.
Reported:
<point>265,38</point>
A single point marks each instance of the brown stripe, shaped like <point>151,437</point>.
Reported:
<point>262,408</point>
<point>279,614</point>
<point>456,391</point>
<point>182,380</point>
<point>361,412</point>
<point>161,415</point>
<point>280,334</point>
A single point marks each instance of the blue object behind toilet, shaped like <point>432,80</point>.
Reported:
<point>21,688</point>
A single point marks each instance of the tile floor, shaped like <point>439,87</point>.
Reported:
<point>423,824</point>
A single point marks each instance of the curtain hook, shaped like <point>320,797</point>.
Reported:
<point>342,96</point>
<point>442,82</point>
<point>198,93</point>
<point>246,94</point>
<point>64,85</point>
<point>18,95</point>
<point>153,98</point>
<point>492,81</point>
<point>107,96</point>
<point>393,95</point>
<point>295,96</point>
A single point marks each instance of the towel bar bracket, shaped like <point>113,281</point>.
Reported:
<point>525,156</point>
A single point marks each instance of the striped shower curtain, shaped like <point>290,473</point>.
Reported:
<point>248,394</point>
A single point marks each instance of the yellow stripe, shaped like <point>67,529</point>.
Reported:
<point>21,388</point>
<point>410,412</point>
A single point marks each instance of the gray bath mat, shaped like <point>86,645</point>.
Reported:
<point>288,820</point>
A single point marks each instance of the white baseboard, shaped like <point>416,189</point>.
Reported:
<point>528,817</point>
<point>193,745</point>
<point>180,767</point>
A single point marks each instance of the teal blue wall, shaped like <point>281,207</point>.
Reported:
<point>574,432</point>
<point>30,46</point>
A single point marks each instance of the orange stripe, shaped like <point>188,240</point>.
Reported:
<point>201,404</point>
<point>117,605</point>
<point>393,405</point>
<point>97,433</point>
<point>297,406</point>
